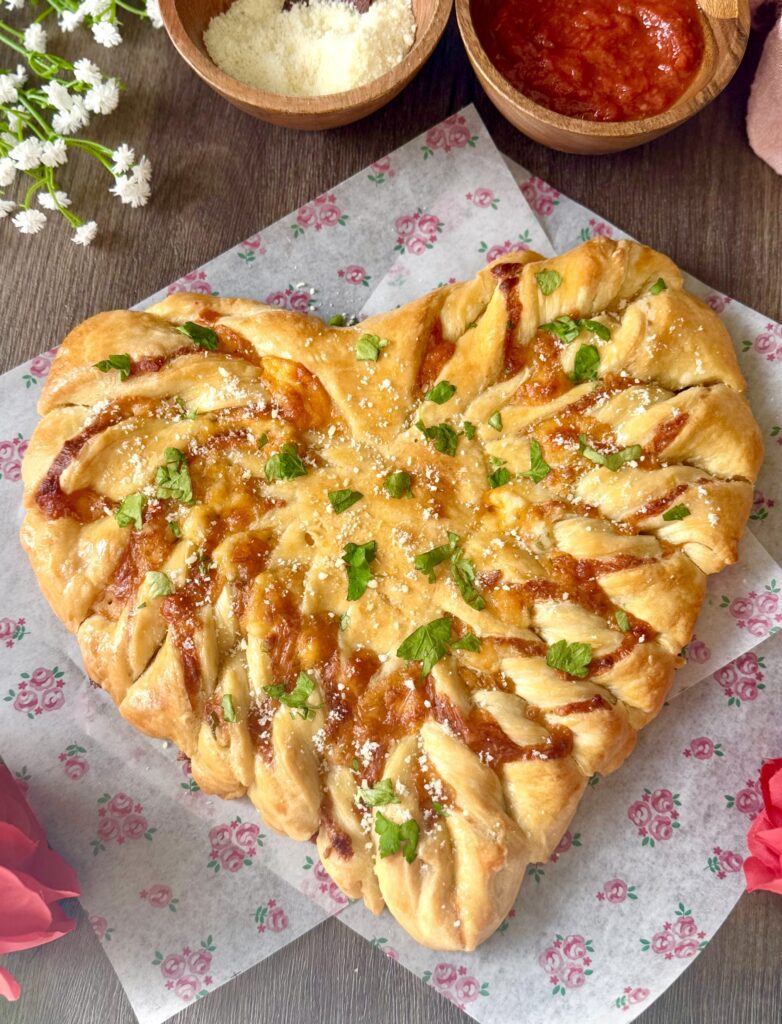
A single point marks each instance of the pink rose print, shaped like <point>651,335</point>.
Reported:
<point>697,651</point>
<point>540,195</point>
<point>234,845</point>
<point>617,891</point>
<point>567,842</point>
<point>742,679</point>
<point>195,281</point>
<point>388,951</point>
<point>186,973</point>
<point>416,232</point>
<point>768,343</point>
<point>271,917</point>
<point>12,631</point>
<point>680,938</point>
<point>493,252</point>
<point>567,962</point>
<point>747,801</point>
<point>631,997</point>
<point>506,923</point>
<point>655,815</point>
<point>381,169</point>
<point>159,897</point>
<point>704,749</point>
<point>38,693</point>
<point>250,248</point>
<point>483,198</point>
<point>455,983</point>
<point>724,862</point>
<point>101,928</point>
<point>452,133</point>
<point>296,297</point>
<point>719,303</point>
<point>74,764</point>
<point>353,274</point>
<point>11,453</point>
<point>321,212</point>
<point>760,506</point>
<point>38,367</point>
<point>119,819</point>
<point>757,614</point>
<point>189,785</point>
<point>596,229</point>
<point>321,887</point>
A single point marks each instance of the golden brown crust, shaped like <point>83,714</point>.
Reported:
<point>635,404</point>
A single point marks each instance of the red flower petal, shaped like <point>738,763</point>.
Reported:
<point>9,986</point>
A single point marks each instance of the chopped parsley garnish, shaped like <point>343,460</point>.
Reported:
<point>548,281</point>
<point>432,641</point>
<point>441,392</point>
<point>120,362</point>
<point>438,808</point>
<point>398,484</point>
<point>598,329</point>
<point>677,512</point>
<point>469,430</point>
<point>131,510</point>
<point>202,337</point>
<point>462,569</point>
<point>354,765</point>
<point>172,479</point>
<point>500,476</point>
<point>357,559</point>
<point>379,795</point>
<point>427,561</point>
<point>564,327</point>
<point>539,469</point>
<point>472,324</point>
<point>205,563</point>
<point>394,838</point>
<point>586,365</point>
<point>298,699</point>
<point>342,500</point>
<point>573,659</point>
<point>175,528</point>
<point>658,286</point>
<point>229,712</point>
<point>338,320</point>
<point>442,435</point>
<point>344,622</point>
<point>159,584</point>
<point>369,346</point>
<point>263,440</point>
<point>495,420</point>
<point>285,464</point>
<point>622,620</point>
<point>615,460</point>
<point>185,414</point>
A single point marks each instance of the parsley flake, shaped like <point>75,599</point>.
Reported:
<point>564,327</point>
<point>432,641</point>
<point>229,712</point>
<point>622,620</point>
<point>548,281</point>
<point>442,435</point>
<point>573,659</point>
<point>344,622</point>
<point>539,469</point>
<point>469,430</point>
<point>120,362</point>
<point>131,510</point>
<point>586,364</point>
<point>263,440</point>
<point>441,392</point>
<point>379,795</point>
<point>341,501</point>
<point>285,464</point>
<point>615,460</point>
<point>338,320</point>
<point>172,479</point>
<point>175,528</point>
<point>357,559</point>
<point>398,484</point>
<point>495,420</point>
<point>500,476</point>
<point>439,808</point>
<point>677,512</point>
<point>369,346</point>
<point>658,286</point>
<point>298,698</point>
<point>427,561</point>
<point>598,329</point>
<point>202,337</point>
<point>185,415</point>
<point>159,584</point>
<point>462,569</point>
<point>394,838</point>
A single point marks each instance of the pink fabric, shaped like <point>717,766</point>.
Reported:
<point>764,111</point>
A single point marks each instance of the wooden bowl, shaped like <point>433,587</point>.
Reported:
<point>725,29</point>
<point>186,20</point>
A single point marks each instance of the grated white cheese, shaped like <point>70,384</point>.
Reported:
<point>312,49</point>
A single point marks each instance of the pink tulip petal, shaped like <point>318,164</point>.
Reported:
<point>9,986</point>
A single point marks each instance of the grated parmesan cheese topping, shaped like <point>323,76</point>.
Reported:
<point>312,49</point>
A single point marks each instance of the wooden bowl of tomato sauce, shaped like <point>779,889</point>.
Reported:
<point>598,76</point>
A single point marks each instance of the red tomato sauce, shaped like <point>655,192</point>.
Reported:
<point>598,60</point>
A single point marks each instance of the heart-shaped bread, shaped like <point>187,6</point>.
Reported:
<point>409,583</point>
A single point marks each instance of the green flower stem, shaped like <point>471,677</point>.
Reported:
<point>43,126</point>
<point>74,220</point>
<point>100,153</point>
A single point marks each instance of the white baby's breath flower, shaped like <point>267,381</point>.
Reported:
<point>65,122</point>
<point>57,95</point>
<point>15,122</point>
<point>103,98</point>
<point>53,201</point>
<point>106,33</point>
<point>29,222</point>
<point>70,20</point>
<point>8,91</point>
<point>131,190</point>
<point>143,170</point>
<point>153,10</point>
<point>34,38</point>
<point>54,153</point>
<point>85,233</point>
<point>123,158</point>
<point>26,155</point>
<point>7,171</point>
<point>85,71</point>
<point>5,208</point>
<point>14,5</point>
<point>19,76</point>
<point>94,8</point>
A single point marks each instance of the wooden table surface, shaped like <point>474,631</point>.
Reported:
<point>699,194</point>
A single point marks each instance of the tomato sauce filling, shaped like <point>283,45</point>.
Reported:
<point>597,60</point>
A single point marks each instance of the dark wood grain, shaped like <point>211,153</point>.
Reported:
<point>698,193</point>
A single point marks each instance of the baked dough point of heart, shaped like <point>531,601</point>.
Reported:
<point>649,453</point>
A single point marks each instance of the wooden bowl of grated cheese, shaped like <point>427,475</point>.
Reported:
<point>310,49</point>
